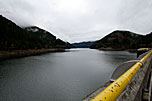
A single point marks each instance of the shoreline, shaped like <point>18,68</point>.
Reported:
<point>4,55</point>
<point>12,54</point>
<point>119,49</point>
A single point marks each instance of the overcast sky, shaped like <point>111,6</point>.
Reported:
<point>80,20</point>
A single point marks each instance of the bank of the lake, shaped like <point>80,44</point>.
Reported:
<point>118,49</point>
<point>22,53</point>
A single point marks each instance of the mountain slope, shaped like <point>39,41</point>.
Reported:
<point>47,39</point>
<point>147,41</point>
<point>12,37</point>
<point>121,40</point>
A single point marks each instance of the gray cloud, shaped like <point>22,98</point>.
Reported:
<point>80,20</point>
<point>136,16</point>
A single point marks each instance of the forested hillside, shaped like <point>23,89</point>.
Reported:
<point>13,37</point>
<point>121,40</point>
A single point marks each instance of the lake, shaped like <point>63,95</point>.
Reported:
<point>60,76</point>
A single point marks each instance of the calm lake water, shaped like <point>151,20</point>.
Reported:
<point>63,76</point>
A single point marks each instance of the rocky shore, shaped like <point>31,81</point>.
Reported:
<point>22,53</point>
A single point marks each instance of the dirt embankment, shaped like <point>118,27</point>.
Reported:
<point>118,49</point>
<point>22,53</point>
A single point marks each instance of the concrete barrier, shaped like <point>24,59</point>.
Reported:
<point>136,88</point>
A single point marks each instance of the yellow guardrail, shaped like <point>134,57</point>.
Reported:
<point>145,48</point>
<point>113,91</point>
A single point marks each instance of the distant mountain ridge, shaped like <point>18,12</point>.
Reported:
<point>83,44</point>
<point>122,40</point>
<point>13,37</point>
